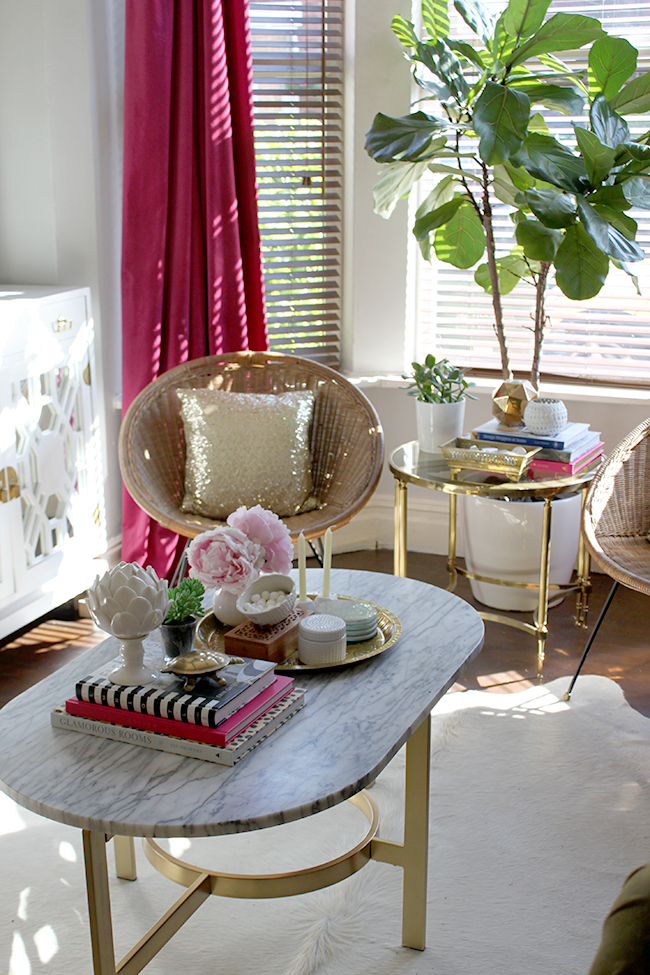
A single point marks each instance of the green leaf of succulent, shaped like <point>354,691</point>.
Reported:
<point>547,159</point>
<point>523,17</point>
<point>404,31</point>
<point>564,100</point>
<point>580,266</point>
<point>637,192</point>
<point>555,210</point>
<point>607,125</point>
<point>435,18</point>
<point>501,118</point>
<point>612,60</point>
<point>477,16</point>
<point>437,218</point>
<point>598,158</point>
<point>610,240</point>
<point>461,242</point>
<point>449,82</point>
<point>404,139</point>
<point>562,32</point>
<point>634,99</point>
<point>394,184</point>
<point>540,243</point>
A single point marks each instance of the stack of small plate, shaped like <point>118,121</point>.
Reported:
<point>360,618</point>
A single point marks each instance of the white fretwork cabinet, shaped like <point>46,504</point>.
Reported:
<point>52,518</point>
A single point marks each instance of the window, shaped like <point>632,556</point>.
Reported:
<point>298,99</point>
<point>606,338</point>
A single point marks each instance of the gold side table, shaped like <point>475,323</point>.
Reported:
<point>409,465</point>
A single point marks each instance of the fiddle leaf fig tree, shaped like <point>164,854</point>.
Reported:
<point>484,139</point>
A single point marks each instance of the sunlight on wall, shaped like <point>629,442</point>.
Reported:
<point>46,943</point>
<point>10,819</point>
<point>22,903</point>
<point>19,962</point>
<point>67,852</point>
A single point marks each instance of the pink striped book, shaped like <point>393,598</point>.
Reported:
<point>220,736</point>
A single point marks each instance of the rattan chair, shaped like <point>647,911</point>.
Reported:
<point>616,520</point>
<point>346,439</point>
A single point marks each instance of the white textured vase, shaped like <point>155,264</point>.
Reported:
<point>545,417</point>
<point>503,540</point>
<point>224,607</point>
<point>438,422</point>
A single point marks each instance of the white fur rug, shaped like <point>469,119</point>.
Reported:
<point>539,811</point>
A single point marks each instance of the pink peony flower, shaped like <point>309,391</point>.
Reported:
<point>226,558</point>
<point>268,531</point>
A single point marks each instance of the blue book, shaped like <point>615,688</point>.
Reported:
<point>495,431</point>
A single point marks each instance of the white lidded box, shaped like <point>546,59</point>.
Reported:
<point>321,640</point>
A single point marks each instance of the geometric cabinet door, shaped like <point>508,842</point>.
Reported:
<point>52,520</point>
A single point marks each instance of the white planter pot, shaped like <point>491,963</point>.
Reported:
<point>503,540</point>
<point>438,422</point>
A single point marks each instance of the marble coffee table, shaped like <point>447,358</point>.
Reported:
<point>355,720</point>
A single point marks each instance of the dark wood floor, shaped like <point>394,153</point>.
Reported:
<point>507,662</point>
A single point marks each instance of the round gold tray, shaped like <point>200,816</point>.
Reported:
<point>210,632</point>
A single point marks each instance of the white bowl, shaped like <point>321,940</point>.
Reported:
<point>271,582</point>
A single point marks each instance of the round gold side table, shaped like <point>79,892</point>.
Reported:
<point>410,465</point>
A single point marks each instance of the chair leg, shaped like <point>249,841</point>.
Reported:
<point>592,637</point>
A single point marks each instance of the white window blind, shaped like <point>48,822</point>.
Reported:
<point>297,48</point>
<point>603,339</point>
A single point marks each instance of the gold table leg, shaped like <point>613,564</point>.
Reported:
<point>99,903</point>
<point>399,554</point>
<point>451,543</point>
<point>544,571</point>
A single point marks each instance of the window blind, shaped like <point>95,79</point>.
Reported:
<point>604,339</point>
<point>297,48</point>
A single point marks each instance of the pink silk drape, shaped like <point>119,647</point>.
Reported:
<point>191,260</point>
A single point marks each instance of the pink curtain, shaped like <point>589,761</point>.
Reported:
<point>191,263</point>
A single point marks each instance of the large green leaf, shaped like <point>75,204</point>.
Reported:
<point>610,240</point>
<point>580,266</point>
<point>461,242</point>
<point>448,83</point>
<point>468,52</point>
<point>435,18</point>
<point>395,183</point>
<point>404,139</point>
<point>637,192</point>
<point>599,159</point>
<point>508,183</point>
<point>567,101</point>
<point>562,32</point>
<point>523,17</point>
<point>612,60</point>
<point>477,16</point>
<point>540,243</point>
<point>404,31</point>
<point>429,222</point>
<point>441,193</point>
<point>610,196</point>
<point>627,226</point>
<point>625,268</point>
<point>500,121</point>
<point>607,125</point>
<point>634,99</point>
<point>511,269</point>
<point>553,209</point>
<point>547,159</point>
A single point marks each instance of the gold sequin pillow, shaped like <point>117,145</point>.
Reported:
<point>246,449</point>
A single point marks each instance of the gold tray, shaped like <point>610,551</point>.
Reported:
<point>210,632</point>
<point>460,456</point>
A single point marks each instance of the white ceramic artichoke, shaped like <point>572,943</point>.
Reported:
<point>128,601</point>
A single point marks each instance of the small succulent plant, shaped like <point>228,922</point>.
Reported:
<point>185,600</point>
<point>437,381</point>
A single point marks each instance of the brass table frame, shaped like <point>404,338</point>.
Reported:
<point>411,855</point>
<point>410,466</point>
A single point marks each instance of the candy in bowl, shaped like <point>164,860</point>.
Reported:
<point>269,599</point>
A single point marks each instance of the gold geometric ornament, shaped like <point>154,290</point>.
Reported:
<point>510,400</point>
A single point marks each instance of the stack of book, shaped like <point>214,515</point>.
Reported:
<point>573,450</point>
<point>217,723</point>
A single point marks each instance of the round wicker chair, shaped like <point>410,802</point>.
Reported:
<point>346,439</point>
<point>616,520</point>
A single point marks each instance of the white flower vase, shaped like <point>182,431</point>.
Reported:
<point>133,671</point>
<point>224,607</point>
<point>545,417</point>
<point>438,422</point>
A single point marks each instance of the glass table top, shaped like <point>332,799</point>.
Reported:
<point>410,464</point>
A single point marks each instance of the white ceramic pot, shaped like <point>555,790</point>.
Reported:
<point>438,422</point>
<point>545,417</point>
<point>503,540</point>
<point>224,606</point>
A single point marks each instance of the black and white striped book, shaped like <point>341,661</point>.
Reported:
<point>229,754</point>
<point>165,698</point>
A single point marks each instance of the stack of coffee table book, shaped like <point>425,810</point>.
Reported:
<point>217,723</point>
